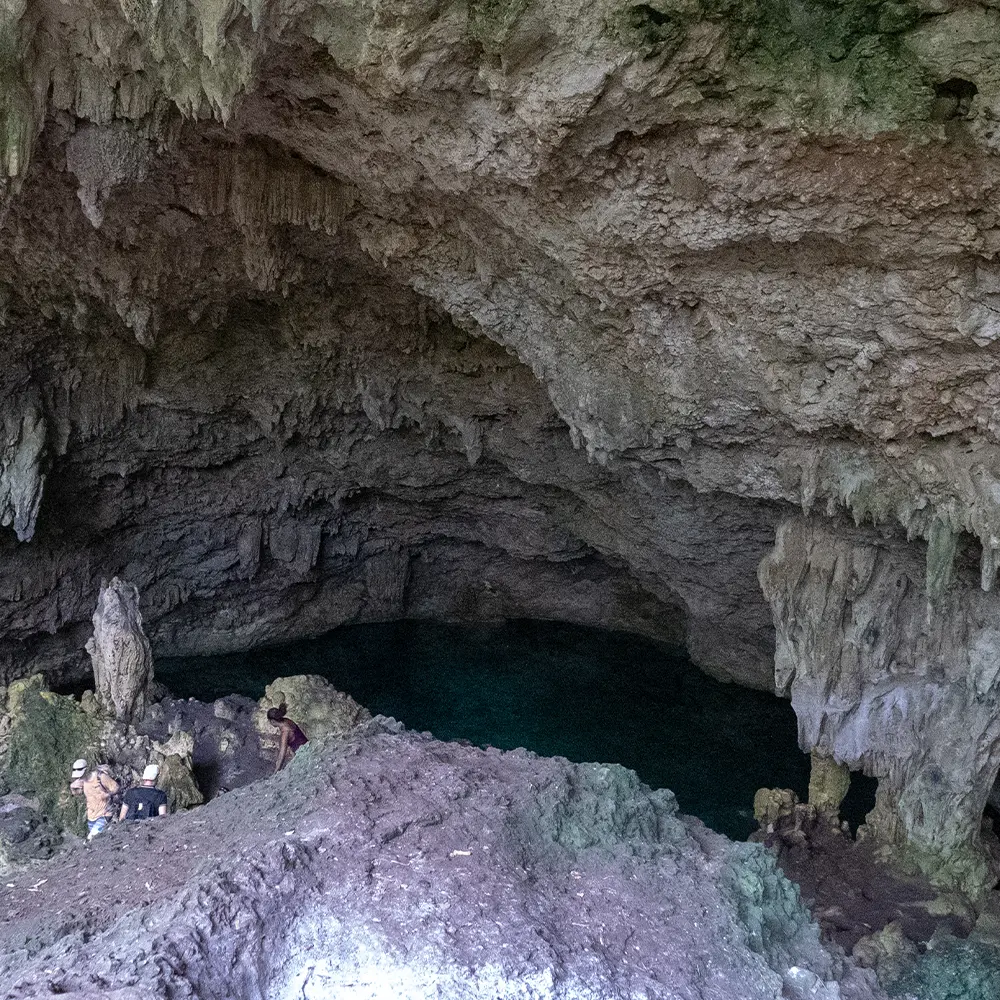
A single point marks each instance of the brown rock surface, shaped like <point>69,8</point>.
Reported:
<point>345,357</point>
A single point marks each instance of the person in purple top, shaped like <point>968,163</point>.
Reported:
<point>291,736</point>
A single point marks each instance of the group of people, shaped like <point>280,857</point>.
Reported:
<point>145,801</point>
<point>100,787</point>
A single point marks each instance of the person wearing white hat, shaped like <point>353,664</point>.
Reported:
<point>99,788</point>
<point>145,800</point>
<point>76,776</point>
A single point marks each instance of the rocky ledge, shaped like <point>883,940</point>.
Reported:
<point>389,864</point>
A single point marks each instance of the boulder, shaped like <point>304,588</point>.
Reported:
<point>25,834</point>
<point>313,703</point>
<point>47,732</point>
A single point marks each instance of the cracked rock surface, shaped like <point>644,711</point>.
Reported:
<point>394,865</point>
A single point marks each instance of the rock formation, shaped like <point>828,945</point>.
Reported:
<point>351,311</point>
<point>313,703</point>
<point>887,682</point>
<point>391,865</point>
<point>120,653</point>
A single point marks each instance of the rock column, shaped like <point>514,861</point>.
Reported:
<point>120,653</point>
<point>884,681</point>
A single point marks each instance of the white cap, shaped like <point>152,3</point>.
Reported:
<point>80,764</point>
<point>151,773</point>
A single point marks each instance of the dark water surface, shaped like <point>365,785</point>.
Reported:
<point>557,689</point>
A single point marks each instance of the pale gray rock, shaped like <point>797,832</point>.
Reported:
<point>120,653</point>
<point>888,682</point>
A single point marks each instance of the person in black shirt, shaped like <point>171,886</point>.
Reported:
<point>144,800</point>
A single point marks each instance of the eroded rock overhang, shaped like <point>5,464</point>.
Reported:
<point>476,309</point>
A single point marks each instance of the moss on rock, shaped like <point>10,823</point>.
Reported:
<point>825,62</point>
<point>47,733</point>
<point>491,21</point>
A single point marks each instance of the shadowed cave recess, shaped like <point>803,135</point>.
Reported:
<point>613,380</point>
<point>561,689</point>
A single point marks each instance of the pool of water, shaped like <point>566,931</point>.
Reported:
<point>557,689</point>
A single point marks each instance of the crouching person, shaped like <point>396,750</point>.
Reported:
<point>145,800</point>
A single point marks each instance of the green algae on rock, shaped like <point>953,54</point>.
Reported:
<point>831,67</point>
<point>47,733</point>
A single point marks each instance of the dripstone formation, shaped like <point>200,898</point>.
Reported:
<point>478,309</point>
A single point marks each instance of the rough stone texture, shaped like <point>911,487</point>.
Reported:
<point>731,253</point>
<point>829,782</point>
<point>226,751</point>
<point>313,703</point>
<point>391,865</point>
<point>120,654</point>
<point>47,732</point>
<point>353,310</point>
<point>25,834</point>
<point>886,681</point>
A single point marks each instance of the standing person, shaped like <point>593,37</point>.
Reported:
<point>76,776</point>
<point>99,789</point>
<point>145,800</point>
<point>291,736</point>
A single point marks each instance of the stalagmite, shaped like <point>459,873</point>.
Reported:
<point>829,781</point>
<point>120,652</point>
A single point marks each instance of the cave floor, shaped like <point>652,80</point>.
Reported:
<point>361,866</point>
<point>853,894</point>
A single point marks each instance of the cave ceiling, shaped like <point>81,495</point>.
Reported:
<point>352,310</point>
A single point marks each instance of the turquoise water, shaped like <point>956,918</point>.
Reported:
<point>557,689</point>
